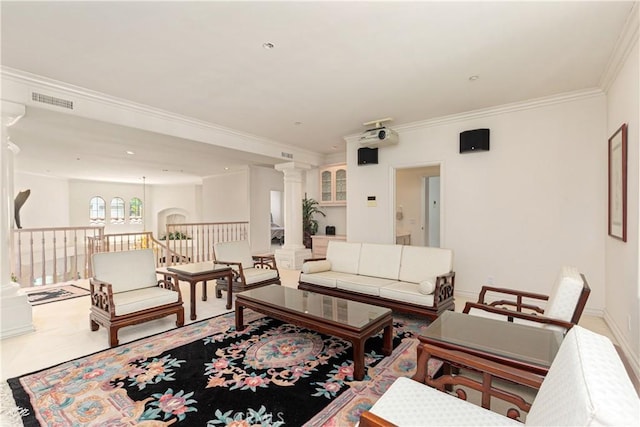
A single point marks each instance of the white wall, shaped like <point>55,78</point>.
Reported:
<point>167,199</point>
<point>48,203</point>
<point>536,201</point>
<point>226,197</point>
<point>621,267</point>
<point>263,181</point>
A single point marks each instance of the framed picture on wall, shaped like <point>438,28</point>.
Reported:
<point>618,184</point>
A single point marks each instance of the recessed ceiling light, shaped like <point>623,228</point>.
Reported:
<point>268,45</point>
<point>474,78</point>
<point>129,152</point>
<point>226,168</point>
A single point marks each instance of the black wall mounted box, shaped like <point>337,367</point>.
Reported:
<point>367,156</point>
<point>474,140</point>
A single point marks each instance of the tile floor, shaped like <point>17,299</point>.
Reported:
<point>62,330</point>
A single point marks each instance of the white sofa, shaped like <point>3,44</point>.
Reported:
<point>413,279</point>
<point>587,385</point>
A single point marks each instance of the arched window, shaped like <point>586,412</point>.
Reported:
<point>117,210</point>
<point>135,211</point>
<point>97,211</point>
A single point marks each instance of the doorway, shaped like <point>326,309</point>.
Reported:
<point>418,207</point>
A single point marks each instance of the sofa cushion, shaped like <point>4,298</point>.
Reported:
<point>420,262</point>
<point>316,266</point>
<point>406,292</point>
<point>587,385</point>
<point>427,286</point>
<point>142,299</point>
<point>126,270</point>
<point>325,278</point>
<point>344,257</point>
<point>379,260</point>
<point>255,275</point>
<point>410,403</point>
<point>363,284</point>
<point>565,294</point>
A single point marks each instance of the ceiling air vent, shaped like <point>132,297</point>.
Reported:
<point>51,100</point>
<point>287,155</point>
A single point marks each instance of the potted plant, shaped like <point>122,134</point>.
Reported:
<point>309,225</point>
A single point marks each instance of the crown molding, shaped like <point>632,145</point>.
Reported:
<point>105,103</point>
<point>495,111</point>
<point>626,41</point>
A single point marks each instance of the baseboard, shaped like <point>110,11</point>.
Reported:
<point>631,363</point>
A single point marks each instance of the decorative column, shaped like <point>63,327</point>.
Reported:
<point>16,314</point>
<point>293,253</point>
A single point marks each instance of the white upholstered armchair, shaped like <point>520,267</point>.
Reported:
<point>249,271</point>
<point>125,291</point>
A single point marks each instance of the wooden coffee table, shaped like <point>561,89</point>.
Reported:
<point>350,320</point>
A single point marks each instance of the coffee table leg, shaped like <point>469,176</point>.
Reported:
<point>358,359</point>
<point>193,300</point>
<point>230,290</point>
<point>387,339</point>
<point>239,317</point>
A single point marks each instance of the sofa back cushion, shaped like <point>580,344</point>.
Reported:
<point>565,294</point>
<point>419,263</point>
<point>126,270</point>
<point>379,260</point>
<point>587,385</point>
<point>236,251</point>
<point>344,257</point>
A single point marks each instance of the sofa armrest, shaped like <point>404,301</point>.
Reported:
<point>443,291</point>
<point>518,304</point>
<point>511,314</point>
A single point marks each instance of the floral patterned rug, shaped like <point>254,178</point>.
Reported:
<point>208,374</point>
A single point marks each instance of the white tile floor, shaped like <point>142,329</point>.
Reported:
<point>62,330</point>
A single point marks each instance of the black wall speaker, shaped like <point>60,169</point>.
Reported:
<point>474,140</point>
<point>367,156</point>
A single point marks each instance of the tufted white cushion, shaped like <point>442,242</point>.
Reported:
<point>344,257</point>
<point>236,251</point>
<point>380,260</point>
<point>409,403</point>
<point>587,385</point>
<point>126,270</point>
<point>142,299</point>
<point>419,262</point>
<point>565,294</point>
<point>316,266</point>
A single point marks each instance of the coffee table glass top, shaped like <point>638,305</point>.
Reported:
<point>337,310</point>
<point>197,268</point>
<point>523,343</point>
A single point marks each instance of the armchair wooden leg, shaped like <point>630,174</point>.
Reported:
<point>113,336</point>
<point>180,318</point>
<point>93,325</point>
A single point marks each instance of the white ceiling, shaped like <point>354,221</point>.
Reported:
<point>334,66</point>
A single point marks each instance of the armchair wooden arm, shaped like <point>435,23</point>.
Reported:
<point>518,304</point>
<point>238,274</point>
<point>265,261</point>
<point>102,296</point>
<point>369,419</point>
<point>511,314</point>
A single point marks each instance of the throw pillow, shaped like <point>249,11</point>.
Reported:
<point>316,266</point>
<point>427,286</point>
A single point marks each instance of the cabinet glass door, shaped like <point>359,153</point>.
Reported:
<point>341,185</point>
<point>326,186</point>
